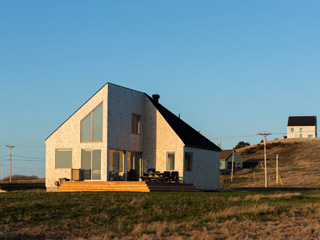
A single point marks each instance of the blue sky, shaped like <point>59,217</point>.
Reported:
<point>230,68</point>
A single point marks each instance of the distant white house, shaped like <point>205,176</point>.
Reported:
<point>302,127</point>
<point>226,160</point>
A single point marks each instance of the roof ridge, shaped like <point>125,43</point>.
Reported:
<point>189,136</point>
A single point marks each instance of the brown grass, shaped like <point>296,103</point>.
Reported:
<point>298,164</point>
<point>258,197</point>
<point>35,215</point>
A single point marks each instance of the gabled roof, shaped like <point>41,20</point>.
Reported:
<point>189,136</point>
<point>224,154</point>
<point>302,121</point>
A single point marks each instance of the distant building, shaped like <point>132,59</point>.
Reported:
<point>302,127</point>
<point>226,160</point>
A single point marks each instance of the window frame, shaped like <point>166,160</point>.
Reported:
<point>91,114</point>
<point>56,157</point>
<point>191,161</point>
<point>174,160</point>
<point>136,124</point>
<point>300,129</point>
<point>292,129</point>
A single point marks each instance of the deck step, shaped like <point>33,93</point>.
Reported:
<point>78,186</point>
<point>126,186</point>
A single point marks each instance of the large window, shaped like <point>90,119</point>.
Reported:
<point>310,136</point>
<point>170,161</point>
<point>188,161</point>
<point>63,158</point>
<point>136,124</point>
<point>300,129</point>
<point>291,129</point>
<point>91,126</point>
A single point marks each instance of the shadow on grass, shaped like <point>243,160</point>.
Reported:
<point>22,186</point>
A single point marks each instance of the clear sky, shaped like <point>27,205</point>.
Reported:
<point>230,68</point>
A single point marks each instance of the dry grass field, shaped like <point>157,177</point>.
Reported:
<point>298,164</point>
<point>167,215</point>
<point>28,212</point>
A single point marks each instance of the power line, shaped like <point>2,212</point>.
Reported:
<point>235,136</point>
<point>28,160</point>
<point>252,135</point>
<point>27,167</point>
<point>31,146</point>
<point>4,156</point>
<point>28,157</point>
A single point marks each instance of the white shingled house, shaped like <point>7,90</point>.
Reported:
<point>119,131</point>
<point>302,127</point>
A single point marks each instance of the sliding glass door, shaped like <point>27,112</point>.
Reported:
<point>116,165</point>
<point>134,166</point>
<point>125,166</point>
<point>91,164</point>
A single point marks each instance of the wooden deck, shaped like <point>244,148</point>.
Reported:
<point>124,186</point>
<point>171,187</point>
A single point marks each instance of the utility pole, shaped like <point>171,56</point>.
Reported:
<point>2,172</point>
<point>220,143</point>
<point>265,158</point>
<point>277,169</point>
<point>232,165</point>
<point>10,146</point>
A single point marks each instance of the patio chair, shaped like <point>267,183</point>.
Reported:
<point>133,175</point>
<point>175,176</point>
<point>166,176</point>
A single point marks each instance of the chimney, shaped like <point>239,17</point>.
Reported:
<point>156,97</point>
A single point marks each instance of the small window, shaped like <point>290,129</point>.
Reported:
<point>310,136</point>
<point>297,135</point>
<point>64,158</point>
<point>300,129</point>
<point>170,161</point>
<point>291,129</point>
<point>188,161</point>
<point>136,124</point>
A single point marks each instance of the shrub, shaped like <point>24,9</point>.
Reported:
<point>20,177</point>
<point>242,144</point>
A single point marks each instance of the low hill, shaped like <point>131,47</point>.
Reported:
<point>299,164</point>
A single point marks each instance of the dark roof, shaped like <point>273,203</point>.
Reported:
<point>225,153</point>
<point>302,121</point>
<point>189,136</point>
